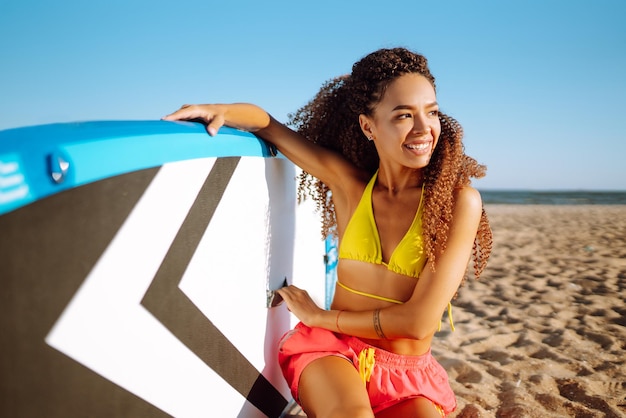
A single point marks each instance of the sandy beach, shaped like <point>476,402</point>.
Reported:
<point>543,332</point>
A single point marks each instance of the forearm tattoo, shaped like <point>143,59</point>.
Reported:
<point>377,327</point>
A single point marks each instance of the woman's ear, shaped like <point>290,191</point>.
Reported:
<point>366,126</point>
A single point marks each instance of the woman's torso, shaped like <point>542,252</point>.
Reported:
<point>394,215</point>
<point>377,280</point>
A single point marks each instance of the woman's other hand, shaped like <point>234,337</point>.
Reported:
<point>300,304</point>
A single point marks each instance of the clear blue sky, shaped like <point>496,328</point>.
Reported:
<point>539,85</point>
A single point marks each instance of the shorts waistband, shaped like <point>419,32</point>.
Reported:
<point>387,358</point>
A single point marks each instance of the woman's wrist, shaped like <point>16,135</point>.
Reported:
<point>246,116</point>
<point>337,318</point>
<point>325,319</point>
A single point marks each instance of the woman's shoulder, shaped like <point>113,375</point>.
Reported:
<point>467,197</point>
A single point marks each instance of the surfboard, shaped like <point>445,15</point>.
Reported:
<point>136,262</point>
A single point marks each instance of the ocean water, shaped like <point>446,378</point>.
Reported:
<point>527,197</point>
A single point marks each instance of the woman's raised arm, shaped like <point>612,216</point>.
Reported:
<point>328,166</point>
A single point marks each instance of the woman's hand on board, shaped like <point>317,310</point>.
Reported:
<point>243,116</point>
<point>210,114</point>
<point>299,302</point>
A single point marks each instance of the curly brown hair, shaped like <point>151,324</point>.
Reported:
<point>331,119</point>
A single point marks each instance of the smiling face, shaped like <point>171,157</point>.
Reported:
<point>405,124</point>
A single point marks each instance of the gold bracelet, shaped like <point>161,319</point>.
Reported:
<point>377,327</point>
<point>337,321</point>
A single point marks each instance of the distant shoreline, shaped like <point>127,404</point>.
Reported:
<point>531,197</point>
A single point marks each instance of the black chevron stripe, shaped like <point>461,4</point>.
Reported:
<point>172,307</point>
<point>47,249</point>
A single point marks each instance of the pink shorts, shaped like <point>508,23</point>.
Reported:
<point>394,377</point>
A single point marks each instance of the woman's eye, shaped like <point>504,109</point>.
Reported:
<point>434,112</point>
<point>405,116</point>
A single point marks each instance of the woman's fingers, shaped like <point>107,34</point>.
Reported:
<point>215,124</point>
<point>206,113</point>
<point>187,112</point>
<point>299,302</point>
<point>291,292</point>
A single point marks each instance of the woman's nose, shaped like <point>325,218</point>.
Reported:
<point>421,126</point>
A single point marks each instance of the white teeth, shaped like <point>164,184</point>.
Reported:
<point>418,147</point>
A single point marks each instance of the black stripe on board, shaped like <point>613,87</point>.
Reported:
<point>172,307</point>
<point>47,249</point>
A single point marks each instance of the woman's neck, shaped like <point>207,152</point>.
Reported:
<point>396,181</point>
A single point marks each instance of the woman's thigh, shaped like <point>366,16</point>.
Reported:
<point>331,386</point>
<point>411,408</point>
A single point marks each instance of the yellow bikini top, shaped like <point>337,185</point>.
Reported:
<point>361,241</point>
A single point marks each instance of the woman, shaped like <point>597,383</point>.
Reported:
<point>389,173</point>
